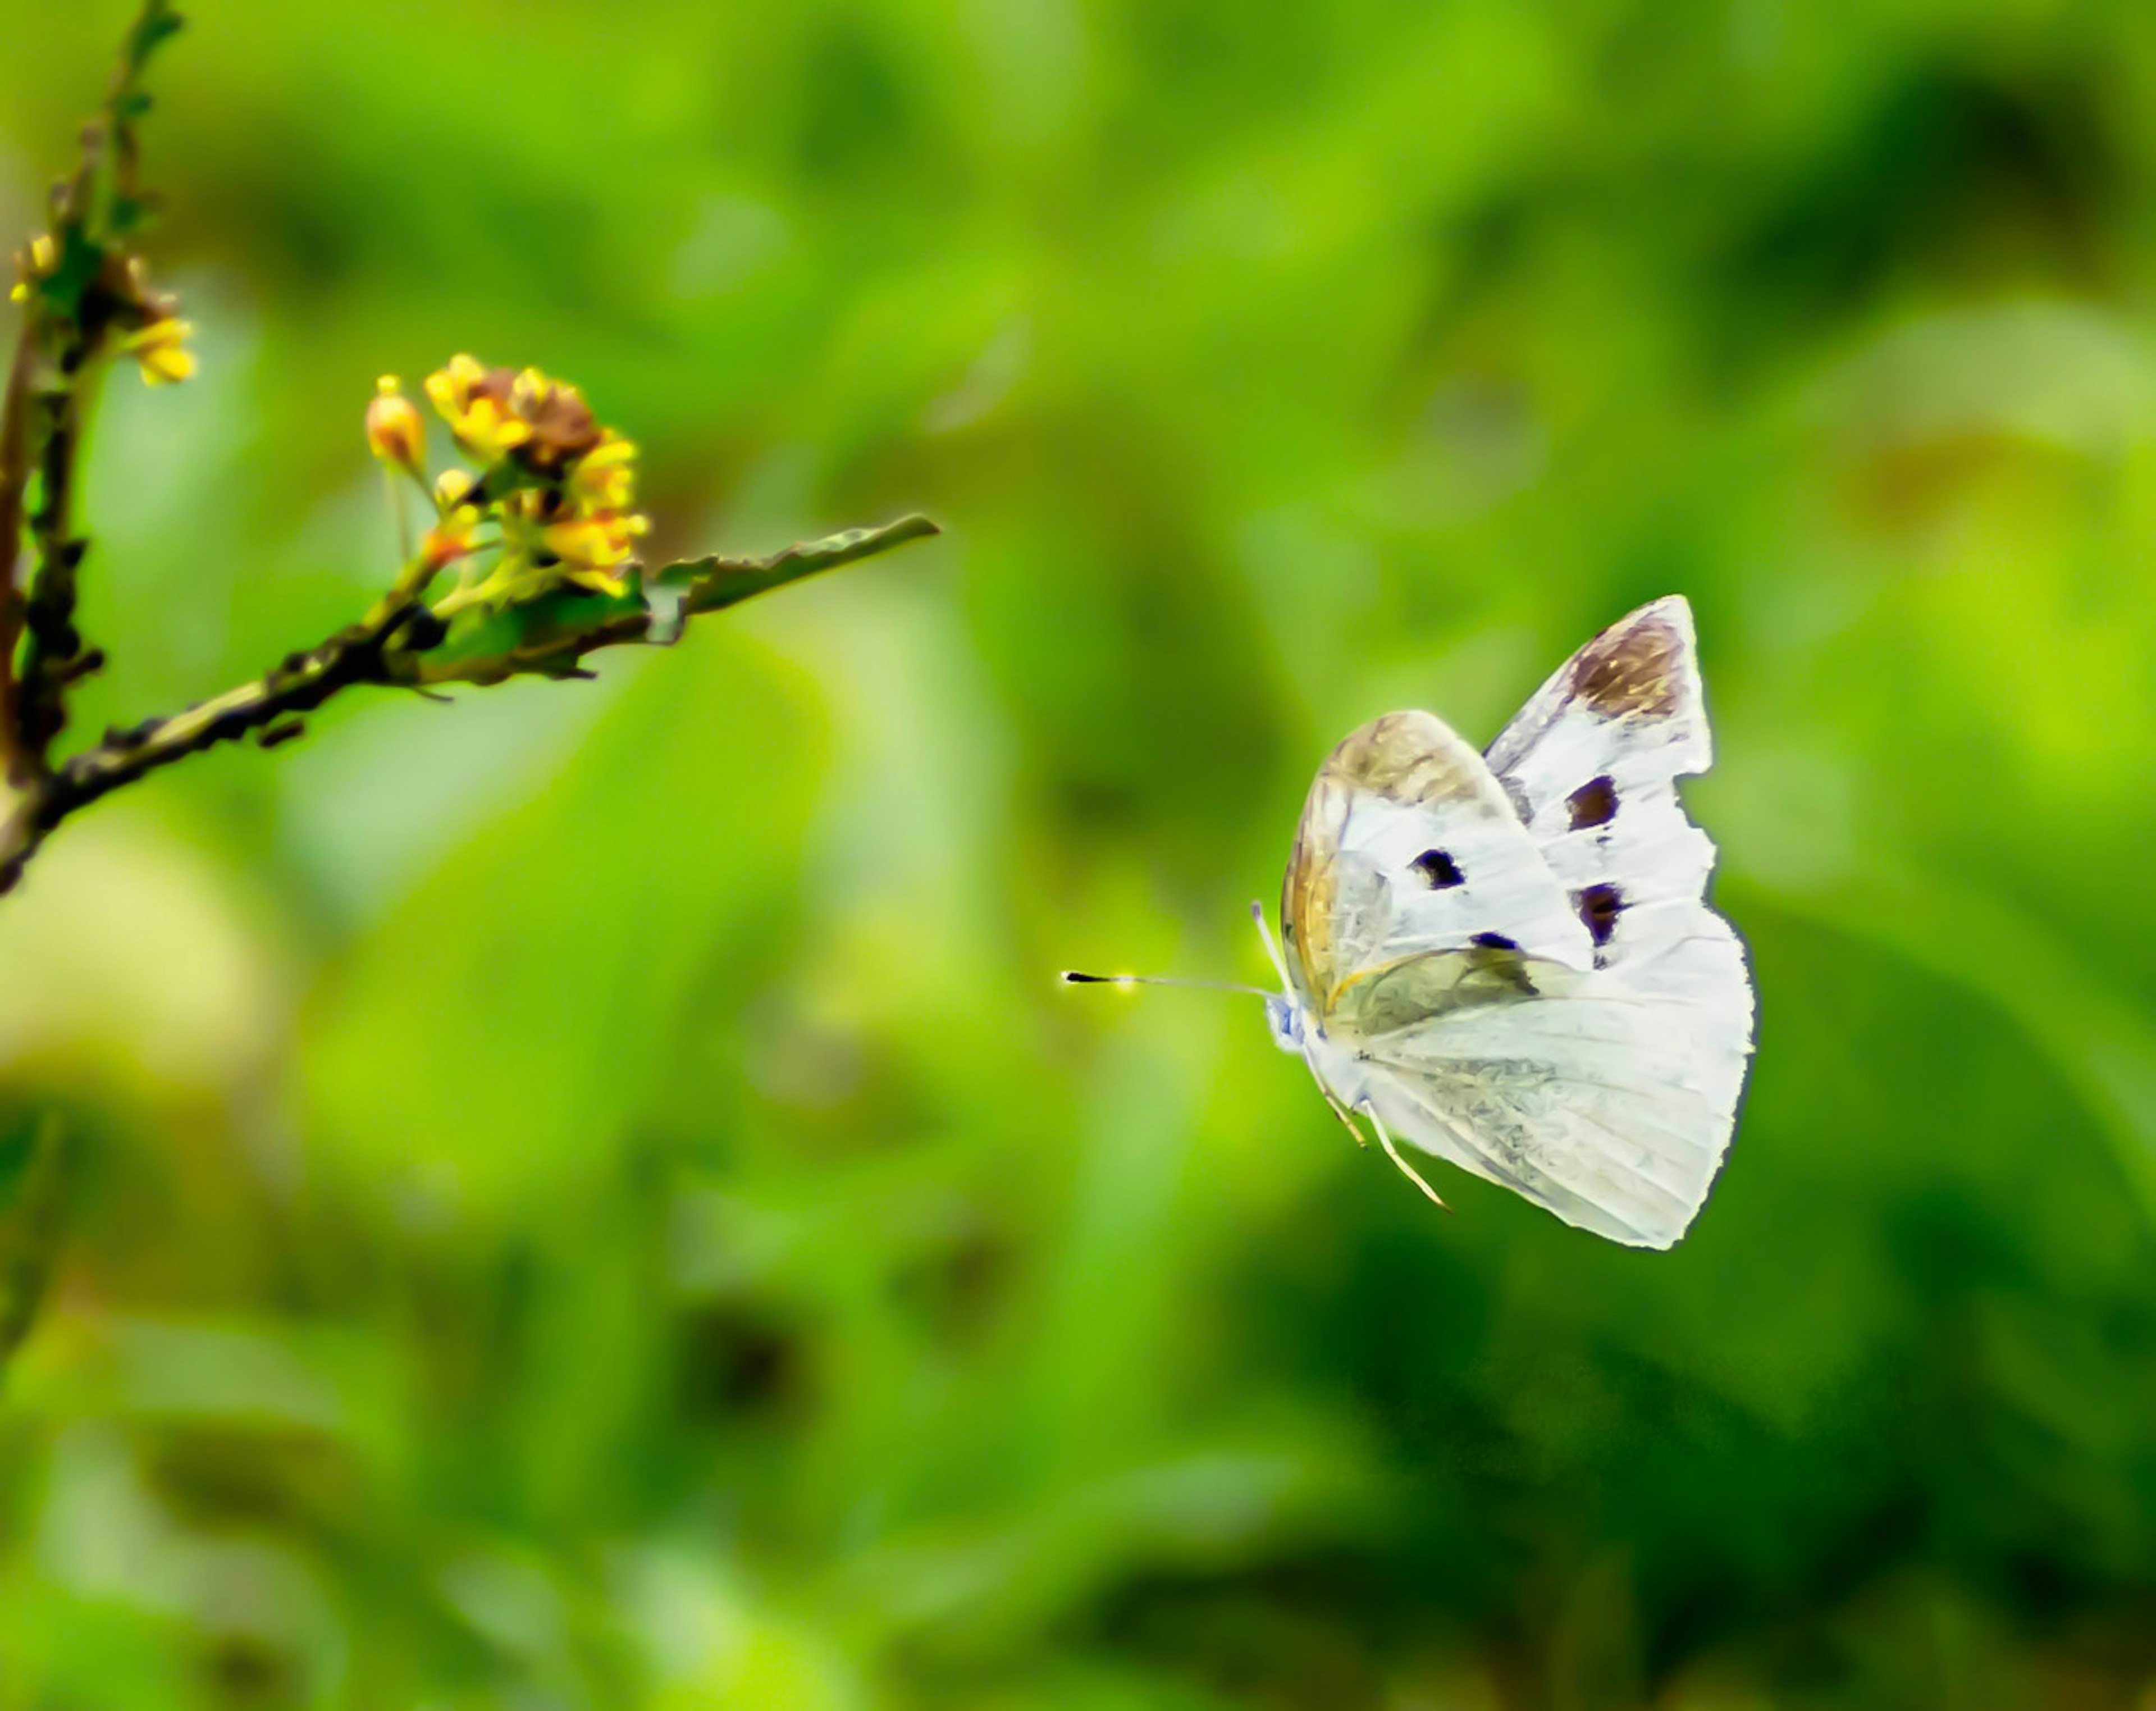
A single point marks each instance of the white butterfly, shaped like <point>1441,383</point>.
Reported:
<point>1508,959</point>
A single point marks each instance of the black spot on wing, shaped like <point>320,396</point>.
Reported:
<point>1599,905</point>
<point>1593,804</point>
<point>1438,871</point>
<point>1496,942</point>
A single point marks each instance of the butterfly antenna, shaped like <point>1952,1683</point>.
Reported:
<point>1074,977</point>
<point>1407,1169</point>
<point>1272,950</point>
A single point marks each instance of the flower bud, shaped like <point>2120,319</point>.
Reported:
<point>395,433</point>
<point>450,539</point>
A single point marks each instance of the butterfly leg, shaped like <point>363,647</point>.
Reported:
<point>1346,1117</point>
<point>1407,1169</point>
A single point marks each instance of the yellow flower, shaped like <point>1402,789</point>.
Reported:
<point>591,546</point>
<point>395,433</point>
<point>160,347</point>
<point>477,402</point>
<point>604,478</point>
<point>450,388</point>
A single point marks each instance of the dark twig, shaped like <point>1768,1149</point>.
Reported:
<point>80,298</point>
<point>17,768</point>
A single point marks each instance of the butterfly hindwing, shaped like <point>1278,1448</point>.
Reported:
<point>1589,1103</point>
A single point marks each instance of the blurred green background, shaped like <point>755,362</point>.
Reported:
<point>592,1197</point>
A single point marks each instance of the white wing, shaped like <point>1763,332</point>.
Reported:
<point>1597,1072</point>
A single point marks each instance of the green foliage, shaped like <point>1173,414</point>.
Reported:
<point>592,1196</point>
<point>30,1155</point>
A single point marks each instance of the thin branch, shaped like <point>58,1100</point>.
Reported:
<point>53,652</point>
<point>395,646</point>
<point>17,766</point>
<point>82,290</point>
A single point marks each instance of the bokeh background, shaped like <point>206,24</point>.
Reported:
<point>592,1196</point>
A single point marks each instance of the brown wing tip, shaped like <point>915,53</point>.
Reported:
<point>1639,664</point>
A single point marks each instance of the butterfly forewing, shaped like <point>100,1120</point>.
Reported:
<point>1592,762</point>
<point>1408,846</point>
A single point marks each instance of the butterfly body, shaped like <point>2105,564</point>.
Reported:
<point>1508,960</point>
<point>1335,1061</point>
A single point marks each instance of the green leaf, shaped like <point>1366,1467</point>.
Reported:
<point>714,583</point>
<point>529,628</point>
<point>157,24</point>
<point>548,635</point>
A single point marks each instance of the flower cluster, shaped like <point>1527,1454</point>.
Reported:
<point>553,489</point>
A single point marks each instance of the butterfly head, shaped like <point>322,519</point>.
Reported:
<point>1286,1018</point>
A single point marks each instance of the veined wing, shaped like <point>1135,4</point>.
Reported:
<point>1610,1107</point>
